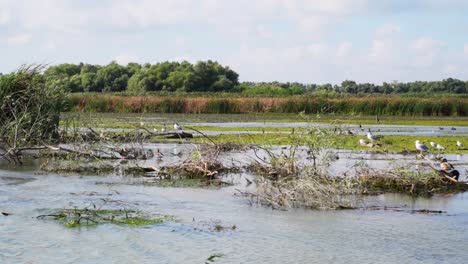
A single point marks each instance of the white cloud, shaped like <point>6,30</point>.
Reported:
<point>385,47</point>
<point>144,13</point>
<point>262,39</point>
<point>18,39</point>
<point>344,49</point>
<point>465,51</point>
<point>387,30</point>
<point>451,69</point>
<point>4,16</point>
<point>54,15</point>
<point>125,58</point>
<point>425,51</point>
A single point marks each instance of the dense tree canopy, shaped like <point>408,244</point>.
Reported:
<point>210,76</point>
<point>166,76</point>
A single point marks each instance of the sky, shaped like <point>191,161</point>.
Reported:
<point>308,41</point>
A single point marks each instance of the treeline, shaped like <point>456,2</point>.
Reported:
<point>209,76</point>
<point>347,105</point>
<point>203,76</point>
<point>452,86</point>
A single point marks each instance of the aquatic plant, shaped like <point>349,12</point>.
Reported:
<point>77,217</point>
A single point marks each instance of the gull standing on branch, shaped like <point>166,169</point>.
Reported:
<point>177,126</point>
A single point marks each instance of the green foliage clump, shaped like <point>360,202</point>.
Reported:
<point>29,109</point>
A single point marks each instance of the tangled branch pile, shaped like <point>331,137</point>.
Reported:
<point>401,180</point>
<point>202,164</point>
<point>315,192</point>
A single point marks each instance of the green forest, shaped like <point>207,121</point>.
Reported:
<point>210,76</point>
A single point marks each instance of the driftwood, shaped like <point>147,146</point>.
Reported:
<point>176,135</point>
<point>169,135</point>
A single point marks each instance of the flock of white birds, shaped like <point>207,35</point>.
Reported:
<point>419,145</point>
<point>423,148</point>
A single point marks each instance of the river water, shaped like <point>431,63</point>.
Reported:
<point>262,235</point>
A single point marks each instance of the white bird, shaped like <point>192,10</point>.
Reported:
<point>163,130</point>
<point>460,144</point>
<point>371,137</point>
<point>433,144</point>
<point>177,126</point>
<point>421,147</point>
<point>363,142</point>
<point>439,147</point>
<point>142,124</point>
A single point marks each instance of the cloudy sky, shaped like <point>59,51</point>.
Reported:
<point>310,41</point>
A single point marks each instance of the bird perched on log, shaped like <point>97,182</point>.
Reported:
<point>177,126</point>
<point>421,147</point>
<point>163,129</point>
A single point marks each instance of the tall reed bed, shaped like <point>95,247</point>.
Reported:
<point>370,105</point>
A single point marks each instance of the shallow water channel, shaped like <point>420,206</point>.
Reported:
<point>261,235</point>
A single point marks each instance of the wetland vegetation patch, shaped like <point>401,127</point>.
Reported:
<point>76,217</point>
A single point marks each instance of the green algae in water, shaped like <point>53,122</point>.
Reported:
<point>214,256</point>
<point>72,218</point>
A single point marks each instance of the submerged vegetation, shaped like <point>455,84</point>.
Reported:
<point>92,217</point>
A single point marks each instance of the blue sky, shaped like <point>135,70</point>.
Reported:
<point>314,41</point>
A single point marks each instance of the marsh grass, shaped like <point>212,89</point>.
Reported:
<point>370,105</point>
